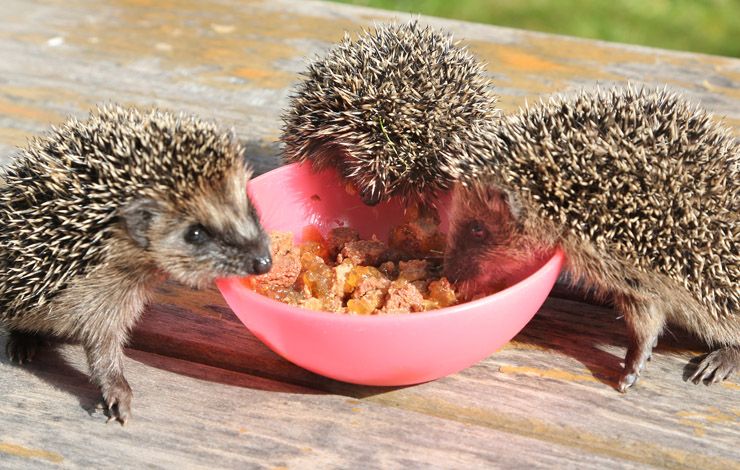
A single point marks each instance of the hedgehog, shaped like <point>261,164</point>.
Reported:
<point>98,211</point>
<point>639,189</point>
<point>386,108</point>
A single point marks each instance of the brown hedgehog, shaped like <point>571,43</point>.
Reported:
<point>387,108</point>
<point>97,211</point>
<point>641,192</point>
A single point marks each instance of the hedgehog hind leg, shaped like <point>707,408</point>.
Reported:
<point>23,346</point>
<point>717,366</point>
<point>645,323</point>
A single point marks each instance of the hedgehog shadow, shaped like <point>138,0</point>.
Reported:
<point>57,364</point>
<point>263,370</point>
<point>560,326</point>
<point>578,326</point>
<point>51,365</point>
<point>271,378</point>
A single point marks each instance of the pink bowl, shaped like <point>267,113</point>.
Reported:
<point>396,349</point>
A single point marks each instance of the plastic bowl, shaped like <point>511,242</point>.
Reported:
<point>397,349</point>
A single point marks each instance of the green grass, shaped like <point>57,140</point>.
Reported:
<point>708,26</point>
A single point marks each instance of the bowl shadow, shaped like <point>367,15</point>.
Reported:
<point>202,338</point>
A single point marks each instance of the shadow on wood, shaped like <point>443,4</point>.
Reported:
<point>51,365</point>
<point>571,324</point>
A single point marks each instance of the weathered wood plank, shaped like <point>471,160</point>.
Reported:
<point>546,399</point>
<point>554,381</point>
<point>235,61</point>
<point>539,388</point>
<point>196,416</point>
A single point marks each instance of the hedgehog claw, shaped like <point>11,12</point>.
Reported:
<point>634,363</point>
<point>717,366</point>
<point>22,347</point>
<point>627,381</point>
<point>117,401</point>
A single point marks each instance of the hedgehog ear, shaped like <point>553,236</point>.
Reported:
<point>137,217</point>
<point>502,199</point>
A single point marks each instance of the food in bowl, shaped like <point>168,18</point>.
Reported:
<point>343,273</point>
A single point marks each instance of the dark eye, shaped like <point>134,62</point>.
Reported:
<point>477,230</point>
<point>371,196</point>
<point>196,235</point>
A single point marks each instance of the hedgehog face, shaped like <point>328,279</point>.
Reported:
<point>216,233</point>
<point>486,245</point>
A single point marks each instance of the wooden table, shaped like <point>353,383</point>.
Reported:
<point>207,393</point>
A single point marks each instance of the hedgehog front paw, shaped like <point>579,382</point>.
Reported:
<point>22,347</point>
<point>634,363</point>
<point>117,399</point>
<point>717,366</point>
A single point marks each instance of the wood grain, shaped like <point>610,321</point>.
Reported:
<point>207,392</point>
<point>557,378</point>
<point>198,416</point>
<point>235,61</point>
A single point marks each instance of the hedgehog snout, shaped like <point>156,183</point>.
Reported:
<point>458,267</point>
<point>255,257</point>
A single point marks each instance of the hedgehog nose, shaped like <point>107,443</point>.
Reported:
<point>262,264</point>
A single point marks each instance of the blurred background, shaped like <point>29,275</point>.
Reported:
<point>708,26</point>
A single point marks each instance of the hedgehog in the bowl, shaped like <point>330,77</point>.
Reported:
<point>96,212</point>
<point>386,108</point>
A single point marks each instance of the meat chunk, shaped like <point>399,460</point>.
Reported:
<point>312,303</point>
<point>340,277</point>
<point>368,287</point>
<point>413,270</point>
<point>389,269</point>
<point>366,252</point>
<point>442,293</point>
<point>338,237</point>
<point>317,277</point>
<point>369,284</point>
<point>281,243</point>
<point>419,235</point>
<point>403,297</point>
<point>286,261</point>
<point>342,273</point>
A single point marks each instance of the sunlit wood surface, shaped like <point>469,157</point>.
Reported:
<point>209,394</point>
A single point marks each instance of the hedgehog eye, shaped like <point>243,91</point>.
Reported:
<point>196,235</point>
<point>371,196</point>
<point>477,230</point>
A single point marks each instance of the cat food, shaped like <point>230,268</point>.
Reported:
<point>343,273</point>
